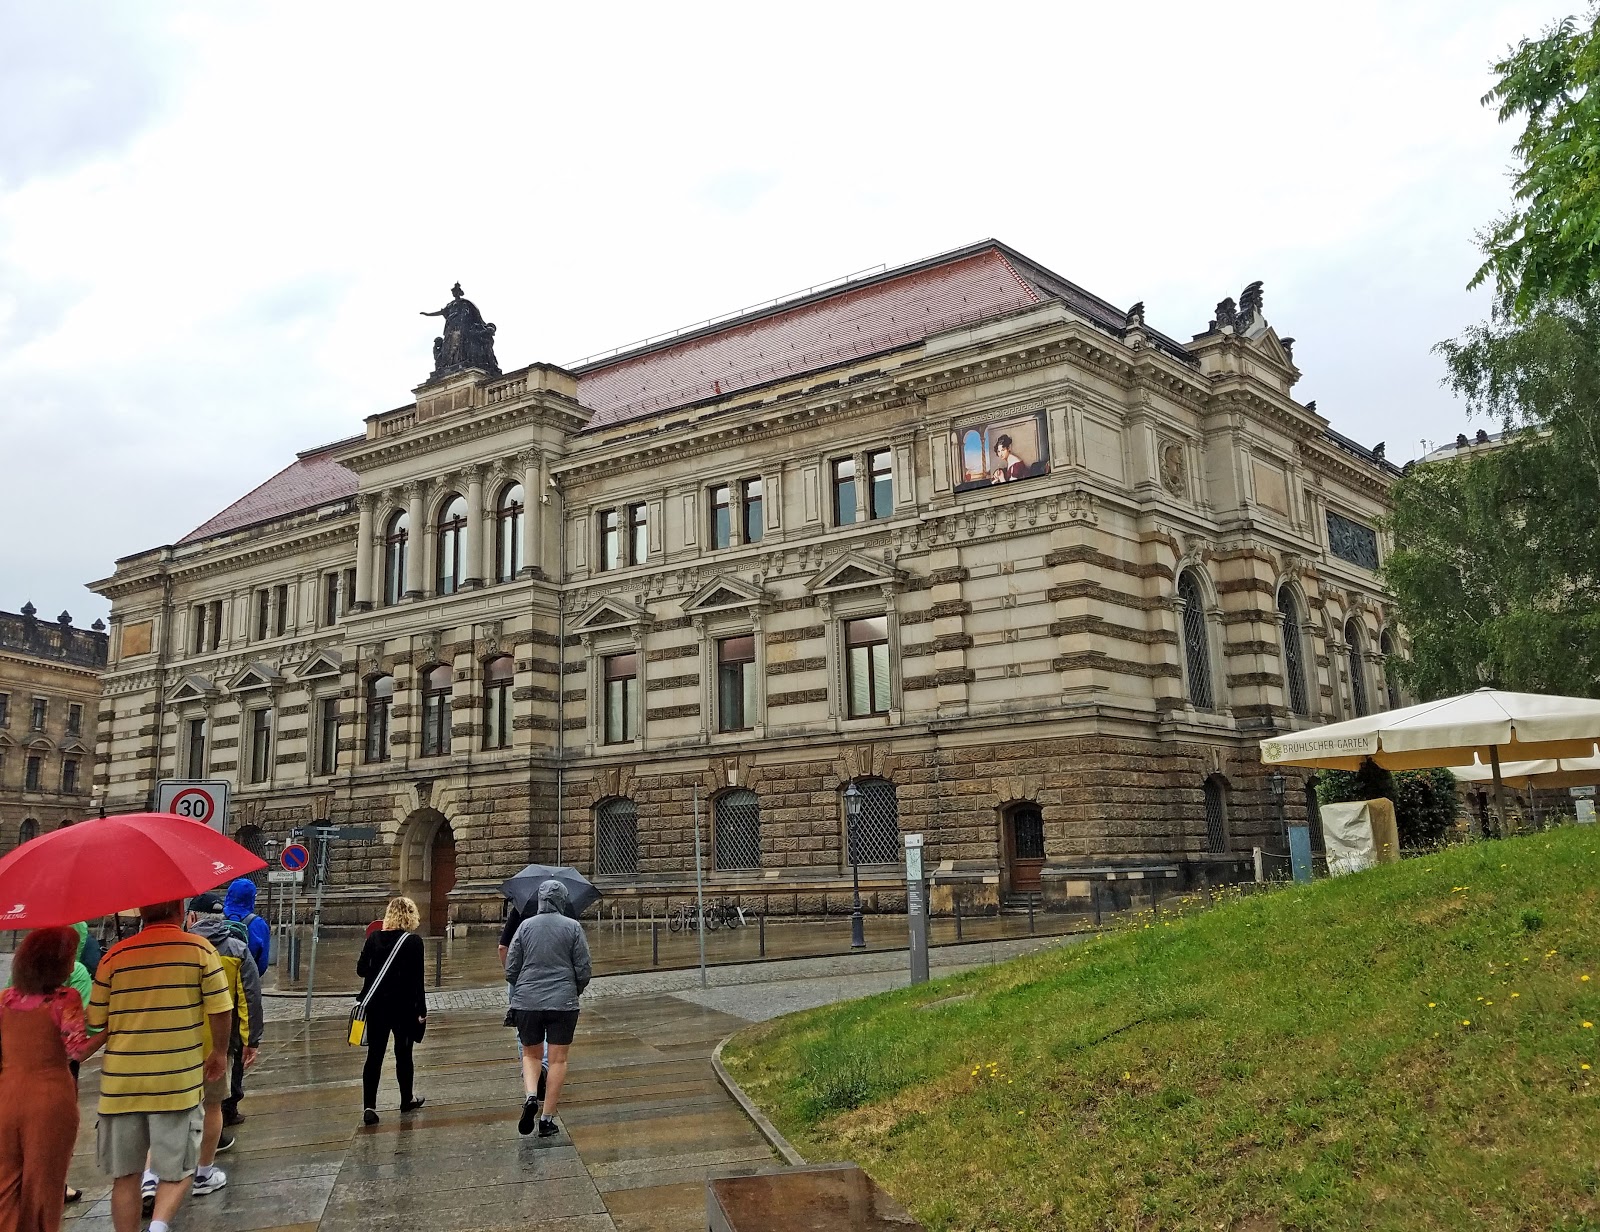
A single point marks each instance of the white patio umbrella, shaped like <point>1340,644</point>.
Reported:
<point>1488,726</point>
<point>1553,772</point>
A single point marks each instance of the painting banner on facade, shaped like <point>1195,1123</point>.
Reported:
<point>1001,450</point>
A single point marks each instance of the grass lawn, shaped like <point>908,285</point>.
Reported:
<point>1404,1048</point>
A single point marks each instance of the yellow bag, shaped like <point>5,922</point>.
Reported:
<point>358,1015</point>
<point>358,1026</point>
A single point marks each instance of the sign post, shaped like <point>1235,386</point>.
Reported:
<point>699,889</point>
<point>916,909</point>
<point>197,799</point>
<point>325,835</point>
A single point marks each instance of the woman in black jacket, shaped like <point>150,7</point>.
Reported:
<point>398,1006</point>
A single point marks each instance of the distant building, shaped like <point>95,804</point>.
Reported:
<point>49,703</point>
<point>1032,575</point>
<point>1463,445</point>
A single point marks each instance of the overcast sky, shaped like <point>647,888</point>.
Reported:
<point>218,223</point>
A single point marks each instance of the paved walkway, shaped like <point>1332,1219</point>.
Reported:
<point>645,1120</point>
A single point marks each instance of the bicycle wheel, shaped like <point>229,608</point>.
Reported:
<point>713,920</point>
<point>675,922</point>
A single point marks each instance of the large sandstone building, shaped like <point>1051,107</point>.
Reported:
<point>1033,575</point>
<point>49,697</point>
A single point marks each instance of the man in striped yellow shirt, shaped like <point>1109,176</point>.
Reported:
<point>163,1000</point>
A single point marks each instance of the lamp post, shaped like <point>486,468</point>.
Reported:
<point>1275,781</point>
<point>852,816</point>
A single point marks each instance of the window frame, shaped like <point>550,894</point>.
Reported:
<point>1199,689</point>
<point>510,534</point>
<point>630,709</point>
<point>719,826</point>
<point>497,711</point>
<point>328,734</point>
<point>39,714</point>
<point>608,551</point>
<point>842,477</point>
<point>749,700</point>
<point>436,711</point>
<point>873,478</point>
<point>379,709</point>
<point>752,512</point>
<point>74,718</point>
<point>1291,631</point>
<point>5,710</point>
<point>260,729</point>
<point>32,773</point>
<point>873,668</point>
<point>719,508</point>
<point>616,812</point>
<point>1355,668</point>
<point>396,547</point>
<point>69,770</point>
<point>263,613</point>
<point>330,599</point>
<point>196,764</point>
<point>636,530</point>
<point>280,623</point>
<point>451,566</point>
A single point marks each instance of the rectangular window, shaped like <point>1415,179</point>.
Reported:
<point>866,643</point>
<point>736,683</point>
<point>349,594</point>
<point>69,777</point>
<point>638,534</point>
<point>880,466</point>
<point>195,740</point>
<point>610,538</point>
<point>30,781</point>
<point>621,719</point>
<point>380,695</point>
<point>844,491</point>
<point>328,735</point>
<point>41,711</point>
<point>197,619</point>
<point>263,614</point>
<point>216,624</point>
<point>497,681</point>
<point>74,720</point>
<point>750,498</point>
<point>282,625</point>
<point>721,501</point>
<point>436,690</point>
<point>260,745</point>
<point>5,710</point>
<point>330,598</point>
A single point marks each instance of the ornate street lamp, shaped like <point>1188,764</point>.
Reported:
<point>852,818</point>
<point>1275,780</point>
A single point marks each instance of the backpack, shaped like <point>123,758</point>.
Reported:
<point>241,929</point>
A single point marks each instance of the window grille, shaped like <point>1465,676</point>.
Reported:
<point>1391,685</point>
<point>1358,683</point>
<point>1196,650</point>
<point>1314,818</point>
<point>254,840</point>
<point>737,818</point>
<point>1027,828</point>
<point>1216,816</point>
<point>877,835</point>
<point>616,839</point>
<point>1294,668</point>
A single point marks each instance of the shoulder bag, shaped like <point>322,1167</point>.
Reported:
<point>358,1015</point>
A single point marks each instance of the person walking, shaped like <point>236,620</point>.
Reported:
<point>161,997</point>
<point>240,907</point>
<point>42,1030</point>
<point>508,930</point>
<point>548,968</point>
<point>397,1003</point>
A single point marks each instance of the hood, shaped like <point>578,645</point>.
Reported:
<point>214,928</point>
<point>83,939</point>
<point>552,897</point>
<point>241,898</point>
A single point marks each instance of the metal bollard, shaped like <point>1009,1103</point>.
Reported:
<point>655,943</point>
<point>438,964</point>
<point>1094,897</point>
<point>763,935</point>
<point>1030,914</point>
<point>1155,899</point>
<point>957,901</point>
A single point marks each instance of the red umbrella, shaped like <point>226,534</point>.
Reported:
<point>112,864</point>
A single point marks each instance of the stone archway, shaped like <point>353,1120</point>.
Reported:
<point>427,871</point>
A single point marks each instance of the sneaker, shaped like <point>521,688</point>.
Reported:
<point>548,1127</point>
<point>210,1182</point>
<point>530,1110</point>
<point>224,1143</point>
<point>369,1116</point>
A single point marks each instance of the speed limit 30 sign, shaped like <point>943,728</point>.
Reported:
<point>197,799</point>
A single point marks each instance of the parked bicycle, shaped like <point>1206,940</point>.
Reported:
<point>685,917</point>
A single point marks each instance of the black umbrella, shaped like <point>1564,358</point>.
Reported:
<point>523,889</point>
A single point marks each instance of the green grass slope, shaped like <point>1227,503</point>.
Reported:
<point>1405,1048</point>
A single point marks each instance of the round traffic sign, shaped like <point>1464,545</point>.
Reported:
<point>195,803</point>
<point>295,857</point>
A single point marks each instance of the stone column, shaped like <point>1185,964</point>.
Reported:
<point>363,595</point>
<point>472,567</point>
<point>416,560</point>
<point>533,492</point>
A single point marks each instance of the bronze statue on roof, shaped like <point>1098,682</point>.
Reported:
<point>467,341</point>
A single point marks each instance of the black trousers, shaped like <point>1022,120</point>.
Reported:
<point>236,1090</point>
<point>378,1044</point>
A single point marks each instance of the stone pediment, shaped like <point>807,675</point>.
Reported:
<point>1272,347</point>
<point>192,688</point>
<point>611,612</point>
<point>39,744</point>
<point>256,676</point>
<point>724,593</point>
<point>74,745</point>
<point>323,663</point>
<point>854,571</point>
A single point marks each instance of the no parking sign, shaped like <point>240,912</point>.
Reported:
<point>197,799</point>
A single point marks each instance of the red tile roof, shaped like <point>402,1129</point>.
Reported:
<point>311,480</point>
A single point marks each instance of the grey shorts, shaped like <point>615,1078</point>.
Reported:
<point>170,1139</point>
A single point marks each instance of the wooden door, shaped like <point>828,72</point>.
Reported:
<point>1024,826</point>
<point>442,881</point>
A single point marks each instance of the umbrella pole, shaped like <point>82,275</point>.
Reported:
<point>1499,791</point>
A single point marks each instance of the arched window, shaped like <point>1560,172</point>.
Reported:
<point>1314,816</point>
<point>737,841</point>
<point>509,546</point>
<point>616,838</point>
<point>395,537</point>
<point>436,685</point>
<point>452,545</point>
<point>876,839</point>
<point>1216,798</point>
<point>1358,676</point>
<point>380,697</point>
<point>1391,682</point>
<point>27,831</point>
<point>1294,665</point>
<point>497,677</point>
<point>1196,647</point>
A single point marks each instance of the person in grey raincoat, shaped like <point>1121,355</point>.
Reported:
<point>548,968</point>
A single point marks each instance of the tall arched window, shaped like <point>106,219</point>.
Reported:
<point>1196,647</point>
<point>1216,800</point>
<point>380,697</point>
<point>877,835</point>
<point>395,537</point>
<point>436,686</point>
<point>1294,666</point>
<point>1358,676</point>
<point>1391,682</point>
<point>27,831</point>
<point>497,677</point>
<point>616,837</point>
<point>452,545</point>
<point>737,841</point>
<point>509,547</point>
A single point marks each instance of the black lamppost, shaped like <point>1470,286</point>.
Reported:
<point>1275,781</point>
<point>852,816</point>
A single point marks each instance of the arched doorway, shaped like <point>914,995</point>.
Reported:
<point>1023,835</point>
<point>427,872</point>
<point>442,881</point>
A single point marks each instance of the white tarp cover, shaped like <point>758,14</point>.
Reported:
<point>1359,834</point>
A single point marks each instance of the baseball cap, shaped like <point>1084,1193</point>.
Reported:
<point>205,904</point>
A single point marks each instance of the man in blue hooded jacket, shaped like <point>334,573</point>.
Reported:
<point>240,907</point>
